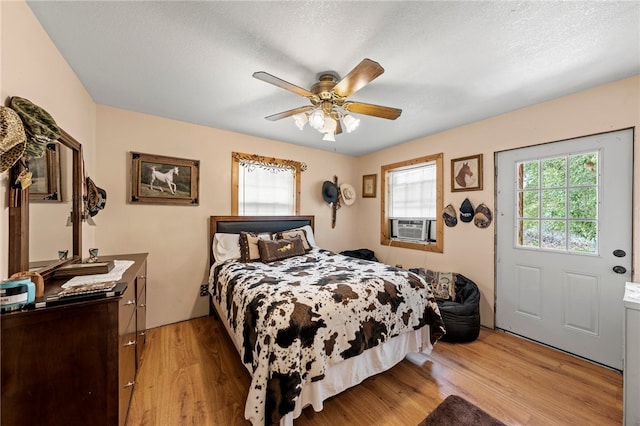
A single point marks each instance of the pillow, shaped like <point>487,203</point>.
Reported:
<point>309,233</point>
<point>295,233</point>
<point>225,246</point>
<point>271,250</point>
<point>443,284</point>
<point>249,245</point>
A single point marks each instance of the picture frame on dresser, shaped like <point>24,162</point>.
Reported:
<point>159,179</point>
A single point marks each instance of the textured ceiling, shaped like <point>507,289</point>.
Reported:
<point>446,63</point>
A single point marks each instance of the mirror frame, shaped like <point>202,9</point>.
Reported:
<point>19,215</point>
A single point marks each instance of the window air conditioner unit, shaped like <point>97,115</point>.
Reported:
<point>411,229</point>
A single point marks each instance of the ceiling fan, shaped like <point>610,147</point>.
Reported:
<point>329,107</point>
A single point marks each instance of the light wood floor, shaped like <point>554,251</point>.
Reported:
<point>191,375</point>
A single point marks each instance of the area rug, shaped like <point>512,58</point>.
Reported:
<point>457,411</point>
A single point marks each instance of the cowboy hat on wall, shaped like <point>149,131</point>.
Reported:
<point>329,192</point>
<point>348,194</point>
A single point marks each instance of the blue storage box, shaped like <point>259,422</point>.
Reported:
<point>16,293</point>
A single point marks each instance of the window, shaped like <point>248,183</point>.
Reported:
<point>557,203</point>
<point>265,186</point>
<point>413,190</point>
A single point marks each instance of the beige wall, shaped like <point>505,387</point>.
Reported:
<point>34,69</point>
<point>468,249</point>
<point>176,237</point>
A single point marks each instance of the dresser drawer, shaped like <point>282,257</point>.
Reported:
<point>141,326</point>
<point>126,372</point>
<point>126,309</point>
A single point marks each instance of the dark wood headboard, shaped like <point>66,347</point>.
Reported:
<point>236,224</point>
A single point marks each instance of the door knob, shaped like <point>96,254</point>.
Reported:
<point>619,253</point>
<point>619,269</point>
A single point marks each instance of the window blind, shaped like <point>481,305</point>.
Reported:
<point>265,191</point>
<point>412,191</point>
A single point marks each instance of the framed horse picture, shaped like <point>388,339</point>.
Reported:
<point>156,179</point>
<point>466,173</point>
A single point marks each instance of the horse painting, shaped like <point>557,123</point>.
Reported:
<point>166,177</point>
<point>461,177</point>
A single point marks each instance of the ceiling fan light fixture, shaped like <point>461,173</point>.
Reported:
<point>350,123</point>
<point>329,136</point>
<point>300,120</point>
<point>328,96</point>
<point>330,125</point>
<point>316,119</point>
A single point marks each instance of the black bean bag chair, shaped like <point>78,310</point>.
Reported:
<point>461,316</point>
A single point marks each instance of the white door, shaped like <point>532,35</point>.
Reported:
<point>563,251</point>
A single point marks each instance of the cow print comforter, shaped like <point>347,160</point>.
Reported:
<point>295,317</point>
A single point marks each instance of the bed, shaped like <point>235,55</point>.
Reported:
<point>311,323</point>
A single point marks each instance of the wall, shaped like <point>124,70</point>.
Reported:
<point>468,249</point>
<point>34,69</point>
<point>176,237</point>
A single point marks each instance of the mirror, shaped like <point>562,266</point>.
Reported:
<point>43,256</point>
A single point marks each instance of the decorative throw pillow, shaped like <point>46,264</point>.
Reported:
<point>226,246</point>
<point>300,233</point>
<point>443,284</point>
<point>249,245</point>
<point>280,249</point>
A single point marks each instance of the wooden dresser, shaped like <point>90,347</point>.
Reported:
<point>76,363</point>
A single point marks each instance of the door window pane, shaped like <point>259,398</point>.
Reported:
<point>554,173</point>
<point>529,175</point>
<point>583,169</point>
<point>530,233</point>
<point>583,236</point>
<point>554,203</point>
<point>530,203</point>
<point>562,213</point>
<point>583,203</point>
<point>554,235</point>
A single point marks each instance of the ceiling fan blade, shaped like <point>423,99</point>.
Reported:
<point>374,110</point>
<point>271,79</point>
<point>289,113</point>
<point>365,72</point>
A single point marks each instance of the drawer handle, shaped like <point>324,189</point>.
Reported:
<point>142,305</point>
<point>129,343</point>
<point>130,302</point>
<point>143,277</point>
<point>128,385</point>
<point>142,333</point>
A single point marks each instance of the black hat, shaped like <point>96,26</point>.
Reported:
<point>466,211</point>
<point>450,217</point>
<point>329,192</point>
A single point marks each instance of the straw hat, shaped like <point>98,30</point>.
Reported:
<point>12,138</point>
